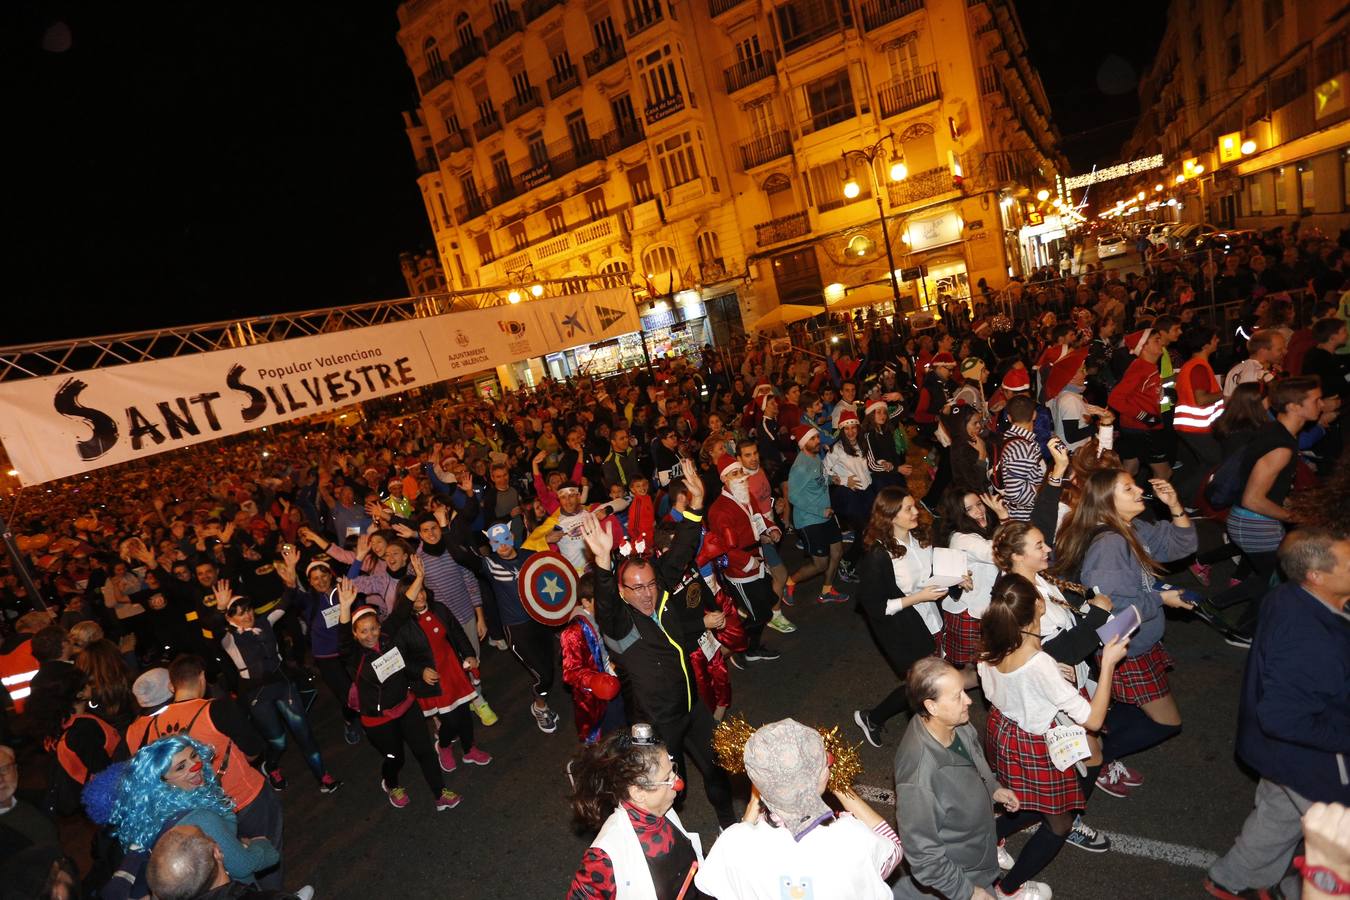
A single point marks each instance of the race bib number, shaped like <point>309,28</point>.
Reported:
<point>387,664</point>
<point>330,616</point>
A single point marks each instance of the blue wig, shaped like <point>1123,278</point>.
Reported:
<point>144,802</point>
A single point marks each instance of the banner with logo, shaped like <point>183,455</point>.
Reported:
<point>75,422</point>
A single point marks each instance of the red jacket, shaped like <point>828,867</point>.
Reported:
<point>729,526</point>
<point>1140,391</point>
<point>581,671</point>
<point>642,521</point>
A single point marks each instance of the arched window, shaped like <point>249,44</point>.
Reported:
<point>709,247</point>
<point>615,272</point>
<point>659,260</point>
<point>464,29</point>
<point>432,55</point>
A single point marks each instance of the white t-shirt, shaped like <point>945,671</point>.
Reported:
<point>839,860</point>
<point>573,545</point>
<point>911,572</point>
<point>980,556</point>
<point>1068,405</point>
<point>1031,695</point>
<point>1243,372</point>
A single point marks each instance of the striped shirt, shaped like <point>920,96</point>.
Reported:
<point>1020,471</point>
<point>451,584</point>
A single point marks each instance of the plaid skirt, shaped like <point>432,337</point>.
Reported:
<point>1142,679</point>
<point>960,638</point>
<point>1021,761</point>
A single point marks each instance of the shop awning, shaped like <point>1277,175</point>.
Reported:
<point>784,315</point>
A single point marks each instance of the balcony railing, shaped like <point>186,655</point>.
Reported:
<point>989,83</point>
<point>533,9</point>
<point>902,94</point>
<point>484,127</point>
<point>876,13</point>
<point>472,209</point>
<point>427,81</point>
<point>748,71</point>
<point>502,29</point>
<point>561,84</point>
<point>603,57</point>
<point>775,230</point>
<point>427,163</point>
<point>648,18</point>
<point>717,7</point>
<point>663,108</point>
<point>626,135</point>
<point>457,140</point>
<point>506,190</point>
<point>466,54</point>
<point>922,185</point>
<point>520,104</point>
<point>766,148</point>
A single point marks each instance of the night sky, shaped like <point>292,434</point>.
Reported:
<point>192,162</point>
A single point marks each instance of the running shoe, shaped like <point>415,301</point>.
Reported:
<point>497,643</point>
<point>1214,889</point>
<point>833,596</point>
<point>483,711</point>
<point>274,778</point>
<point>305,893</point>
<point>328,784</point>
<point>1110,782</point>
<point>1237,639</point>
<point>447,758</point>
<point>1201,572</point>
<point>738,660</point>
<point>847,572</point>
<point>477,756</point>
<point>545,718</point>
<point>447,800</point>
<point>871,732</point>
<point>351,732</point>
<point>1005,859</point>
<point>789,592</point>
<point>1128,777</point>
<point>398,797</point>
<point>779,623</point>
<point>1030,890</point>
<point>1085,837</point>
<point>761,654</point>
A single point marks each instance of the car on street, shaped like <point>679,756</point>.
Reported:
<point>1184,237</point>
<point>1112,244</point>
<point>1157,234</point>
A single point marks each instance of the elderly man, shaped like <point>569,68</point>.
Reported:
<point>944,794</point>
<point>28,842</point>
<point>1265,349</point>
<point>738,529</point>
<point>187,865</point>
<point>1294,715</point>
<point>645,634</point>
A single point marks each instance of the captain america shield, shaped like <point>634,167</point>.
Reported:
<point>548,587</point>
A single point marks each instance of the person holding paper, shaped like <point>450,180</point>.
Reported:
<point>968,523</point>
<point>1027,694</point>
<point>1118,552</point>
<point>900,607</point>
<point>389,671</point>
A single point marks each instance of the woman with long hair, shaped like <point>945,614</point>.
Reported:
<point>624,787</point>
<point>968,458</point>
<point>901,612</point>
<point>850,478</point>
<point>1244,414</point>
<point>170,782</point>
<point>1105,544</point>
<point>1028,696</point>
<point>968,523</point>
<point>91,738</point>
<point>886,444</point>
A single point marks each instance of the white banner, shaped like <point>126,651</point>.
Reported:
<point>71,423</point>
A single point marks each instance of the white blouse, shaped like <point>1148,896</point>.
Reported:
<point>1033,694</point>
<point>911,571</point>
<point>980,556</point>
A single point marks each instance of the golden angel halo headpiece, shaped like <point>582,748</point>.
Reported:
<point>730,737</point>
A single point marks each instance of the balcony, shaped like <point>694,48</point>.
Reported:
<point>472,209</point>
<point>457,140</point>
<point>427,163</point>
<point>904,94</point>
<point>507,189</point>
<point>466,54</point>
<point>428,80</point>
<point>626,135</point>
<point>603,57</point>
<point>561,84</point>
<point>876,13</point>
<point>648,18</point>
<point>520,104</point>
<point>664,108</point>
<point>803,22</point>
<point>764,149</point>
<point>484,127</point>
<point>776,230</point>
<point>535,8</point>
<point>717,7</point>
<point>989,83</point>
<point>922,185</point>
<point>502,29</point>
<point>748,71</point>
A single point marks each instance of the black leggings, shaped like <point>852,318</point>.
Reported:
<point>390,738</point>
<point>532,644</point>
<point>693,733</point>
<point>276,707</point>
<point>1040,850</point>
<point>334,675</point>
<point>755,599</point>
<point>457,723</point>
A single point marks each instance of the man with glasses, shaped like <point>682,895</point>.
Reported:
<point>645,634</point>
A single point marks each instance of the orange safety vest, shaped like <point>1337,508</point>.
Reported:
<point>1189,415</point>
<point>240,781</point>
<point>17,668</point>
<point>70,761</point>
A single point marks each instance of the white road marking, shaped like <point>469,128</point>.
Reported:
<point>1130,845</point>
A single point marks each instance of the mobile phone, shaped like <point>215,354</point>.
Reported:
<point>353,530</point>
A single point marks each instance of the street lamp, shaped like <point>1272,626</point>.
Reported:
<point>897,172</point>
<point>1042,195</point>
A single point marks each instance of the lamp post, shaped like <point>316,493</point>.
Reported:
<point>897,173</point>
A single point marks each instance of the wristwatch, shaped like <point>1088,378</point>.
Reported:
<point>1322,878</point>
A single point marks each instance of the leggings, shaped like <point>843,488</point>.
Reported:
<point>335,676</point>
<point>408,729</point>
<point>755,600</point>
<point>457,723</point>
<point>275,707</point>
<point>1043,846</point>
<point>532,644</point>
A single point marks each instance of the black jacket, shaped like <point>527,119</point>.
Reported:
<point>376,698</point>
<point>402,616</point>
<point>650,649</point>
<point>903,637</point>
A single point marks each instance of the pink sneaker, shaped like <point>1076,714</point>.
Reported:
<point>1201,572</point>
<point>398,797</point>
<point>447,800</point>
<point>447,757</point>
<point>477,756</point>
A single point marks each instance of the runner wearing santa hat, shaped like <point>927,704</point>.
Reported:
<point>737,530</point>
<point>885,443</point>
<point>1138,401</point>
<point>1064,390</point>
<point>851,489</point>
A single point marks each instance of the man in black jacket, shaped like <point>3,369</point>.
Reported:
<point>644,634</point>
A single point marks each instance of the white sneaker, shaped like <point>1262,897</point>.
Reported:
<point>305,893</point>
<point>1005,859</point>
<point>1030,890</point>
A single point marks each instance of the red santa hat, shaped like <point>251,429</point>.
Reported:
<point>762,387</point>
<point>1017,380</point>
<point>1062,372</point>
<point>725,463</point>
<point>1135,342</point>
<point>801,434</point>
<point>874,406</point>
<point>848,416</point>
<point>942,359</point>
<point>763,401</point>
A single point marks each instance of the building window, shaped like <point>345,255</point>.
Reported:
<point>1272,11</point>
<point>640,183</point>
<point>595,204</point>
<point>762,120</point>
<point>486,111</point>
<point>1201,90</point>
<point>520,82</point>
<point>659,78</point>
<point>445,210</point>
<point>1281,204</point>
<point>501,170</point>
<point>579,134</point>
<point>1330,59</point>
<point>797,277</point>
<point>471,196</point>
<point>562,65</point>
<point>709,247</point>
<point>451,120</point>
<point>659,261</point>
<point>431,54</point>
<point>827,185</point>
<point>538,149</point>
<point>605,35</point>
<point>485,252</point>
<point>1234,52</point>
<point>1306,196</point>
<point>625,119</point>
<point>614,273</point>
<point>903,58</point>
<point>518,239</point>
<point>1254,200</point>
<point>501,14</point>
<point>464,30</point>
<point>557,224</point>
<point>677,160</point>
<point>829,101</point>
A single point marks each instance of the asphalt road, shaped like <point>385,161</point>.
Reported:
<point>511,836</point>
